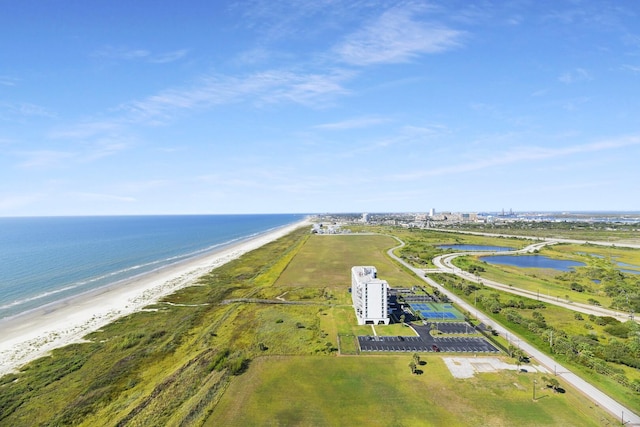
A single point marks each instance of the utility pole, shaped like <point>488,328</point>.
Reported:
<point>534,389</point>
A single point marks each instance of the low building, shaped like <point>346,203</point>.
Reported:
<point>369,294</point>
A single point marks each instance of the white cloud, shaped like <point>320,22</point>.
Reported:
<point>17,111</point>
<point>358,123</point>
<point>103,147</point>
<point>575,76</point>
<point>573,104</point>
<point>8,81</point>
<point>127,54</point>
<point>275,86</point>
<point>44,158</point>
<point>143,186</point>
<point>396,37</point>
<point>99,197</point>
<point>163,58</point>
<point>86,130</point>
<point>522,154</point>
<point>632,68</point>
<point>85,153</point>
<point>12,202</point>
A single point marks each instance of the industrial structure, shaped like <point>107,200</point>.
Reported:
<point>369,296</point>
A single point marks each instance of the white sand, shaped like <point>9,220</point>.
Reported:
<point>33,335</point>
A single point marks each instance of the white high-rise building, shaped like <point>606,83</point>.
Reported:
<point>369,296</point>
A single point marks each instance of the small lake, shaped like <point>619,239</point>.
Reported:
<point>461,247</point>
<point>533,261</point>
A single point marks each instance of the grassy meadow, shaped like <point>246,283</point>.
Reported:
<point>256,343</point>
<point>381,391</point>
<point>598,282</point>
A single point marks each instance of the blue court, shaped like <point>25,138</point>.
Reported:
<point>436,311</point>
<point>438,315</point>
<point>420,307</point>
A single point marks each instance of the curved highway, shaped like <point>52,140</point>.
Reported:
<point>444,263</point>
<point>626,416</point>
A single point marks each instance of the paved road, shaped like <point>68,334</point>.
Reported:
<point>579,242</point>
<point>445,264</point>
<point>629,417</point>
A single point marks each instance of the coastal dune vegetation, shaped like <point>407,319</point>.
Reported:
<point>262,340</point>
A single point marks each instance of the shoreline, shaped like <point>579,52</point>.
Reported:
<point>33,335</point>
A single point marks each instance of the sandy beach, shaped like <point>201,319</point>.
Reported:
<point>33,335</point>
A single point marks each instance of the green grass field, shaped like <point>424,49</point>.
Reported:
<point>326,261</point>
<point>275,363</point>
<point>339,391</point>
<point>381,391</point>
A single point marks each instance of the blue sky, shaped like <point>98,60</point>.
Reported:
<point>261,106</point>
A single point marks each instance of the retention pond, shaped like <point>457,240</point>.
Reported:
<point>533,261</point>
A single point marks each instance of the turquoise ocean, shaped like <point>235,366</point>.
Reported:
<point>47,259</point>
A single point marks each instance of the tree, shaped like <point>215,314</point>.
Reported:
<point>402,318</point>
<point>416,358</point>
<point>412,366</point>
<point>551,383</point>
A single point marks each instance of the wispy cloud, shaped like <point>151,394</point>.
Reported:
<point>142,186</point>
<point>358,123</point>
<point>127,54</point>
<point>17,111</point>
<point>575,103</point>
<point>10,202</point>
<point>8,81</point>
<point>632,68</point>
<point>404,137</point>
<point>103,147</point>
<point>86,129</point>
<point>87,152</point>
<point>268,87</point>
<point>575,76</point>
<point>522,154</point>
<point>396,37</point>
<point>277,20</point>
<point>162,58</point>
<point>100,197</point>
<point>39,159</point>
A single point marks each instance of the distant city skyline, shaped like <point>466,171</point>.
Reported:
<point>270,106</point>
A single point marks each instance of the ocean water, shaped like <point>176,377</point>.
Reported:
<point>43,260</point>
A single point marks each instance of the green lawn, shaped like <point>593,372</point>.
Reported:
<point>325,262</point>
<point>381,391</point>
<point>175,366</point>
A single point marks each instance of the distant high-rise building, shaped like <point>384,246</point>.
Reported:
<point>432,212</point>
<point>369,295</point>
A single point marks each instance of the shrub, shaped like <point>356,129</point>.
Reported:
<point>577,287</point>
<point>620,330</point>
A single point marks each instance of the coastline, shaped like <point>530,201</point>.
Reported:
<point>27,337</point>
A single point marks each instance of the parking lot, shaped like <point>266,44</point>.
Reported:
<point>453,327</point>
<point>426,343</point>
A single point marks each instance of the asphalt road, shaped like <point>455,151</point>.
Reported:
<point>625,414</point>
<point>445,264</point>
